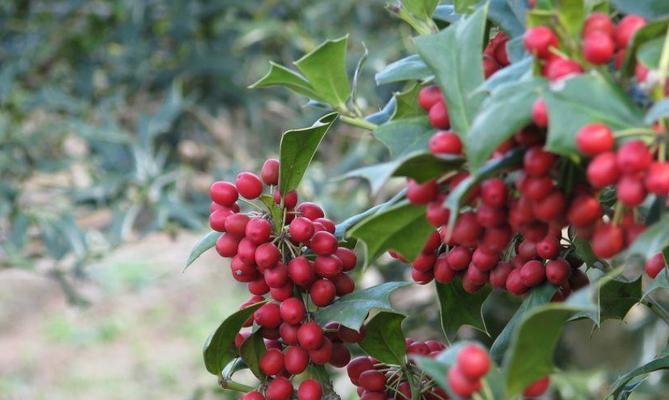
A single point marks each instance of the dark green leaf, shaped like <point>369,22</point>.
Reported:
<point>251,350</point>
<point>352,310</point>
<point>661,281</point>
<point>279,75</point>
<point>298,148</point>
<point>458,308</point>
<point>411,68</point>
<point>537,297</point>
<point>652,240</point>
<point>219,348</point>
<point>584,251</point>
<point>584,99</point>
<point>647,8</point>
<point>405,136</point>
<point>616,297</point>
<point>388,229</point>
<point>661,362</point>
<point>384,339</point>
<point>508,109</point>
<point>503,14</point>
<point>454,55</point>
<point>207,242</point>
<point>325,69</point>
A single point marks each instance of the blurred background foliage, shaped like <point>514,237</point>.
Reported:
<point>116,115</point>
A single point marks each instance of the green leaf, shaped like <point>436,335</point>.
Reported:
<point>411,68</point>
<point>571,14</point>
<point>298,148</point>
<point>421,8</point>
<point>661,281</point>
<point>659,363</point>
<point>508,109</point>
<point>652,240</point>
<point>219,348</point>
<point>464,6</point>
<point>647,33</point>
<point>325,69</point>
<point>617,297</point>
<point>446,13</point>
<point>352,310</point>
<point>384,339</point>
<point>454,55</point>
<point>388,230</point>
<point>458,308</point>
<point>510,20</point>
<point>584,99</point>
<point>343,227</point>
<point>404,136</point>
<point>650,9</point>
<point>657,111</point>
<point>649,53</point>
<point>207,242</point>
<point>279,75</point>
<point>513,74</point>
<point>538,296</point>
<point>583,250</point>
<point>407,103</point>
<point>251,350</point>
<point>530,355</point>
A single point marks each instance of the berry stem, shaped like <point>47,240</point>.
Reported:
<point>235,386</point>
<point>634,132</point>
<point>359,122</point>
<point>617,213</point>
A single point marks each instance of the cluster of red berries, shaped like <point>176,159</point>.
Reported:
<point>289,251</point>
<point>495,56</point>
<point>602,42</point>
<point>379,381</point>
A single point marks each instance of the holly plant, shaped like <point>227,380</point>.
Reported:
<point>533,139</point>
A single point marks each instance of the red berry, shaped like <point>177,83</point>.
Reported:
<point>603,170</point>
<point>267,255</point>
<point>490,66</point>
<point>226,245</point>
<point>288,333</point>
<point>499,274</point>
<point>301,271</point>
<point>429,96</point>
<point>292,310</point>
<point>442,271</point>
<point>349,335</point>
<point>374,381</point>
<point>223,193</point>
<point>494,192</point>
<point>217,219</point>
<point>328,266</point>
<point>438,115</point>
<point>289,200</point>
<point>323,243</point>
<point>538,188</point>
<point>424,262</point>
<point>357,366</point>
<point>459,258</point>
<point>557,271</point>
<point>630,190</point>
<point>608,240</point>
<point>537,388</point>
<point>242,272</point>
<point>322,292</point>
<point>277,277</point>
<point>539,39</point>
<point>657,180</point>
<point>598,48</point>
<point>473,361</point>
<point>633,156</point>
<point>258,230</point>
<point>489,217</point>
<point>537,162</point>
<point>561,68</point>
<point>598,22</point>
<point>445,142</point>
<point>310,335</point>
<point>271,363</point>
<point>483,260</point>
<point>323,353</point>
<point>344,284</point>
<point>347,257</point>
<point>419,348</point>
<point>295,359</point>
<point>327,224</point>
<point>514,283</point>
<point>551,207</point>
<point>279,389</point>
<point>253,396</point>
<point>460,384</point>
<point>532,273</point>
<point>268,315</point>
<point>340,355</point>
<point>309,390</point>
<point>467,230</point>
<point>248,185</point>
<point>258,286</point>
<point>655,265</point>
<point>595,138</point>
<point>584,210</point>
<point>540,113</point>
<point>270,172</point>
<point>422,277</point>
<point>422,193</point>
<point>310,210</point>
<point>626,29</point>
<point>549,247</point>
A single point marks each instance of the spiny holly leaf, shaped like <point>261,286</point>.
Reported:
<point>251,350</point>
<point>661,362</point>
<point>458,308</point>
<point>325,69</point>
<point>343,227</point>
<point>384,339</point>
<point>352,310</point>
<point>508,109</point>
<point>279,75</point>
<point>584,251</point>
<point>404,136</point>
<point>411,68</point>
<point>388,230</point>
<point>219,348</point>
<point>584,99</point>
<point>454,55</point>
<point>537,297</point>
<point>660,281</point>
<point>511,75</point>
<point>648,8</point>
<point>205,243</point>
<point>617,297</point>
<point>298,148</point>
<point>652,240</point>
<point>407,103</point>
<point>420,166</point>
